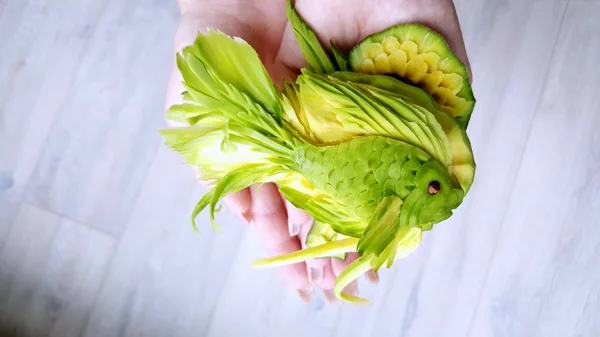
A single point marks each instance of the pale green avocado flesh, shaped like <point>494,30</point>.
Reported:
<point>419,56</point>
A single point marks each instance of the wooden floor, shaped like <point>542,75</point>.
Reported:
<point>95,237</point>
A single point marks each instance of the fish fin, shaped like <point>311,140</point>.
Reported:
<point>326,249</point>
<point>239,179</point>
<point>320,233</point>
<point>407,240</point>
<point>355,270</point>
<point>202,203</point>
<point>340,58</point>
<point>233,181</point>
<point>317,58</point>
<point>217,66</point>
<point>382,228</point>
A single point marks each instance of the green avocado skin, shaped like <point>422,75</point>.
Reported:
<point>429,41</point>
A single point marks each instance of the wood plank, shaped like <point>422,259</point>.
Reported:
<point>98,152</point>
<point>74,273</point>
<point>544,279</point>
<point>22,263</point>
<point>40,53</point>
<point>50,272</point>
<point>166,279</point>
<point>16,31</point>
<point>261,304</point>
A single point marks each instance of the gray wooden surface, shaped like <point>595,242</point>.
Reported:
<point>94,232</point>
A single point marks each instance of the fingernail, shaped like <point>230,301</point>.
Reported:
<point>352,289</point>
<point>330,296</point>
<point>248,218</point>
<point>372,276</point>
<point>315,274</point>
<point>307,295</point>
<point>293,228</point>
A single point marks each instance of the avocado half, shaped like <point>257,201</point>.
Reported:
<point>419,56</point>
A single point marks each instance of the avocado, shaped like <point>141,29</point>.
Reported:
<point>419,56</point>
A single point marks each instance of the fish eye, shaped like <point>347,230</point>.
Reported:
<point>434,187</point>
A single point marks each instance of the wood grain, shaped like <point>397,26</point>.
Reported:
<point>40,55</point>
<point>165,279</point>
<point>98,151</point>
<point>22,263</point>
<point>48,276</point>
<point>543,278</point>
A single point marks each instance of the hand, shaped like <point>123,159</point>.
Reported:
<point>281,226</point>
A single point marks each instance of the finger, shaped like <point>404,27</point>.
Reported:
<point>290,56</point>
<point>317,269</point>
<point>239,203</point>
<point>329,295</point>
<point>327,279</point>
<point>455,39</point>
<point>316,266</point>
<point>339,265</point>
<point>298,219</point>
<point>270,218</point>
<point>372,276</point>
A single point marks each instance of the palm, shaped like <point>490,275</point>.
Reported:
<point>266,28</point>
